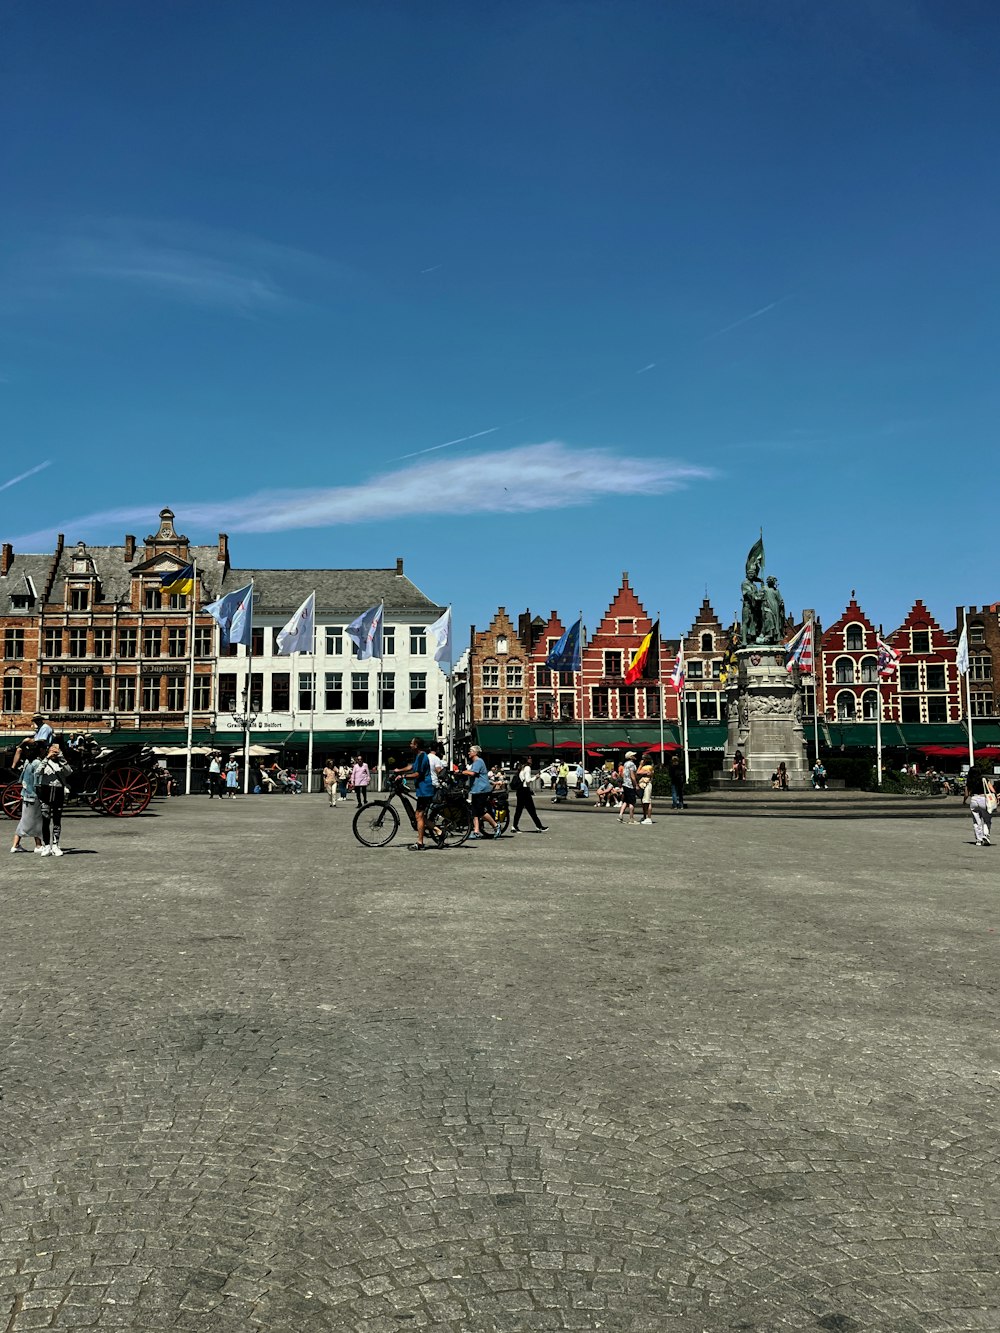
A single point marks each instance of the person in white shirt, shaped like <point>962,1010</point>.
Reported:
<point>521,784</point>
<point>436,763</point>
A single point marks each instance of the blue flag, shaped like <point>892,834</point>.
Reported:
<point>366,633</point>
<point>565,656</point>
<point>233,614</point>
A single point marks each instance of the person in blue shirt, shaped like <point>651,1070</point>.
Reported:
<point>420,769</point>
<point>481,788</point>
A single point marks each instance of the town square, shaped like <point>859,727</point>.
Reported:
<point>499,659</point>
<point>722,1073</point>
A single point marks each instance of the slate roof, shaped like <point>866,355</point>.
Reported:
<point>35,567</point>
<point>115,575</point>
<point>280,591</point>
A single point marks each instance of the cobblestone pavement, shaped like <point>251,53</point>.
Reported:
<point>716,1074</point>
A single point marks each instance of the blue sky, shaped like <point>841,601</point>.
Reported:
<point>679,270</point>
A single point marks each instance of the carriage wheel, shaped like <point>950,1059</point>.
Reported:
<point>125,792</point>
<point>10,799</point>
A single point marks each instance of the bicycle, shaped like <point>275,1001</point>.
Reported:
<point>447,821</point>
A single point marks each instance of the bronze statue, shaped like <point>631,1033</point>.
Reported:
<point>763,618</point>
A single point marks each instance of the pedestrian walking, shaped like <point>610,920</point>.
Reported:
<point>360,778</point>
<point>51,784</point>
<point>479,793</point>
<point>629,788</point>
<point>214,777</point>
<point>232,778</point>
<point>30,823</point>
<point>419,767</point>
<point>343,778</point>
<point>644,773</point>
<point>330,782</point>
<point>521,786</point>
<point>675,771</point>
<point>982,802</point>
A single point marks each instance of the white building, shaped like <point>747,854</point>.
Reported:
<point>335,691</point>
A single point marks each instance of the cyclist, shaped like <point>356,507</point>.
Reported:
<point>420,769</point>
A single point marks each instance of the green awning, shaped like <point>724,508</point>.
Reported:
<point>986,733</point>
<point>705,736</point>
<point>860,735</point>
<point>916,734</point>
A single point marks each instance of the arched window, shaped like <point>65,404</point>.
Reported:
<point>708,643</point>
<point>869,705</point>
<point>845,671</point>
<point>845,707</point>
<point>855,639</point>
<point>869,671</point>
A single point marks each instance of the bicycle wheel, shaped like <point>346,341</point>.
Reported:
<point>451,825</point>
<point>375,824</point>
<point>501,813</point>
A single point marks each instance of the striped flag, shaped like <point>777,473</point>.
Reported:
<point>645,663</point>
<point>888,658</point>
<point>800,651</point>
<point>678,673</point>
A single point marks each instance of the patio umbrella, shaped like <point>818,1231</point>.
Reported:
<point>539,745</point>
<point>259,751</point>
<point>665,748</point>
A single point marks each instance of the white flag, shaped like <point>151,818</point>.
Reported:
<point>962,655</point>
<point>365,632</point>
<point>297,636</point>
<point>441,629</point>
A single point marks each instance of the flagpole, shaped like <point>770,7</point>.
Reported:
<point>246,704</point>
<point>312,717</point>
<point>190,708</point>
<point>583,725</point>
<point>878,713</point>
<point>659,684</point>
<point>814,654</point>
<point>968,687</point>
<point>684,733</point>
<point>449,734</point>
<point>378,687</point>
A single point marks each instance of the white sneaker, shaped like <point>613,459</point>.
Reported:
<point>645,821</point>
<point>56,850</point>
<point>45,851</point>
<point>38,850</point>
<point>14,850</point>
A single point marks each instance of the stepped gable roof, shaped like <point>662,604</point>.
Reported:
<point>115,576</point>
<point>27,574</point>
<point>706,619</point>
<point>500,625</point>
<point>553,628</point>
<point>851,615</point>
<point>277,591</point>
<point>624,605</point>
<point>918,617</point>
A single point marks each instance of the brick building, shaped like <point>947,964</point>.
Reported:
<point>499,686</point>
<point>984,659</point>
<point>847,670</point>
<point>704,650</point>
<point>929,690</point>
<point>92,641</point>
<point>606,658</point>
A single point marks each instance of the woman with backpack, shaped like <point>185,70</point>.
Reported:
<point>520,785</point>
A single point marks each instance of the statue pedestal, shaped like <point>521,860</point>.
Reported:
<point>765,716</point>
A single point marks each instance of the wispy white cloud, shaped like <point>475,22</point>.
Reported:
<point>31,472</point>
<point>745,319</point>
<point>178,262</point>
<point>521,480</point>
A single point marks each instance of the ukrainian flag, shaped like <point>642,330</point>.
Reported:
<point>179,581</point>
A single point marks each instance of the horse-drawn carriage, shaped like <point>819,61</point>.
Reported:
<point>117,782</point>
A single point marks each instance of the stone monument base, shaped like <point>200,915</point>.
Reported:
<point>765,716</point>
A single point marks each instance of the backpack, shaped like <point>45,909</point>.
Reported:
<point>515,782</point>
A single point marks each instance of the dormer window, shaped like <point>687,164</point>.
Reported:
<point>501,643</point>
<point>24,597</point>
<point>151,597</point>
<point>79,599</point>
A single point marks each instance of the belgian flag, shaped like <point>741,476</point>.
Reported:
<point>179,581</point>
<point>645,664</point>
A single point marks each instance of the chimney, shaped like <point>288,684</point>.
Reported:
<point>129,548</point>
<point>223,549</point>
<point>399,564</point>
<point>6,559</point>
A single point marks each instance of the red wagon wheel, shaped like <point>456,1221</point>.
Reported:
<point>125,792</point>
<point>10,799</point>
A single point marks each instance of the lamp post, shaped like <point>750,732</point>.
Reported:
<point>245,719</point>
